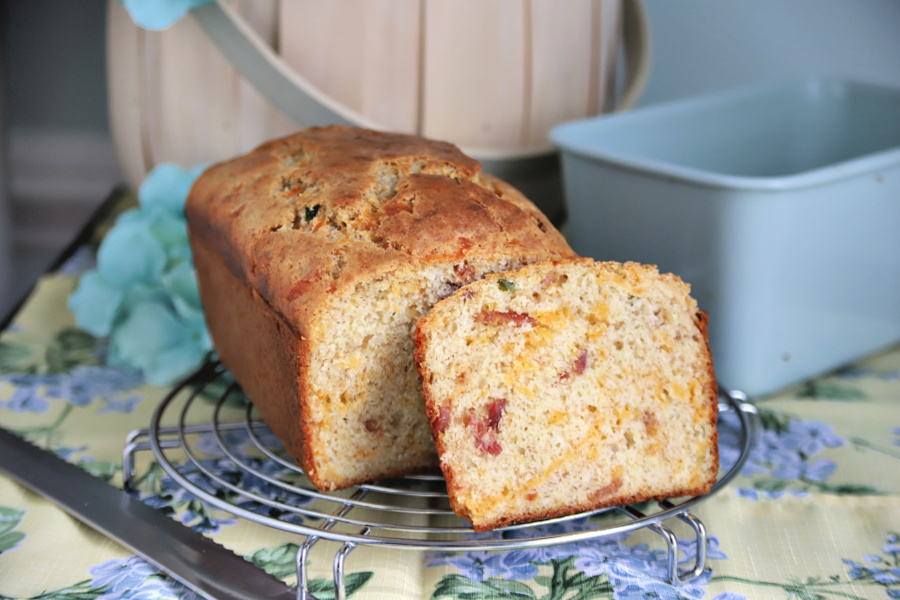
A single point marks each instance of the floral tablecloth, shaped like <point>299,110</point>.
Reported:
<point>815,512</point>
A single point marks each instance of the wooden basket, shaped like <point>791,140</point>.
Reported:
<point>492,77</point>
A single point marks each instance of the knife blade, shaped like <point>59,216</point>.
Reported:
<point>201,564</point>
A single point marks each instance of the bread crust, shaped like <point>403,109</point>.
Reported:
<point>285,232</point>
<point>440,209</point>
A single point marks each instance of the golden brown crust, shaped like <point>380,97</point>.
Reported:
<point>711,392</point>
<point>285,232</point>
<point>265,363</point>
<point>531,517</point>
<point>360,203</point>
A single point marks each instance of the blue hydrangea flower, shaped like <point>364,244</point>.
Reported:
<point>95,303</point>
<point>152,338</point>
<point>157,15</point>
<point>143,293</point>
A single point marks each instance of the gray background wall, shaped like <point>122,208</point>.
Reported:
<point>57,162</point>
<point>56,147</point>
<point>707,45</point>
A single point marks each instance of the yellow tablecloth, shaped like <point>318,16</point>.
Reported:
<point>815,512</point>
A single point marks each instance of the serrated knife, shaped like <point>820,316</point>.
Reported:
<point>196,561</point>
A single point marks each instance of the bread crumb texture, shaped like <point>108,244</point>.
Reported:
<point>348,237</point>
<point>569,385</point>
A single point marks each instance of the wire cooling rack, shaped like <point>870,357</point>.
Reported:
<point>206,422</point>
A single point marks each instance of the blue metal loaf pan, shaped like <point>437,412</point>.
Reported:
<point>779,204</point>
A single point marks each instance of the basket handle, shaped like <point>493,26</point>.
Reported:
<point>298,99</point>
<point>636,40</point>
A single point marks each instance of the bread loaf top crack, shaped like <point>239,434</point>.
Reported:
<point>369,201</point>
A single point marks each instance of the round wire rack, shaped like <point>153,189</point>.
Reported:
<point>208,438</point>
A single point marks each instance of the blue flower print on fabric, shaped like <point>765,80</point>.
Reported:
<point>255,481</point>
<point>79,387</point>
<point>783,460</point>
<point>632,571</point>
<point>880,569</point>
<point>134,578</point>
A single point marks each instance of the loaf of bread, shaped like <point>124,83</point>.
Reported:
<point>566,386</point>
<point>317,253</point>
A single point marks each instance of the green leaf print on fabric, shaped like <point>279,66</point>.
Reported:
<point>102,469</point>
<point>323,589</point>
<point>881,569</point>
<point>69,348</point>
<point>15,358</point>
<point>463,588</point>
<point>72,348</point>
<point>80,591</point>
<point>828,390</point>
<point>281,562</point>
<point>10,518</point>
<point>893,450</point>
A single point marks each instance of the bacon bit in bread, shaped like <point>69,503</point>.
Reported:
<point>580,365</point>
<point>467,294</point>
<point>505,317</point>
<point>650,423</point>
<point>485,437</point>
<point>486,440</point>
<point>549,279</point>
<point>581,362</point>
<point>443,418</point>
<point>496,409</point>
<point>606,490</point>
<point>372,426</point>
<point>465,272</point>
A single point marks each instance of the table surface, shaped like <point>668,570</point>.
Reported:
<point>814,513</point>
